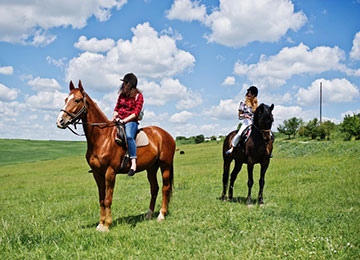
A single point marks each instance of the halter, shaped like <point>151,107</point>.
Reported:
<point>263,132</point>
<point>75,118</point>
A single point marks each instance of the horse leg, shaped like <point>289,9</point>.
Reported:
<point>167,176</point>
<point>234,174</point>
<point>109,190</point>
<point>100,181</point>
<point>154,188</point>
<point>250,168</point>
<point>225,177</point>
<point>264,167</point>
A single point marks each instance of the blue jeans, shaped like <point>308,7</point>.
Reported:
<point>130,131</point>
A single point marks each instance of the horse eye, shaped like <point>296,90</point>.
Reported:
<point>77,100</point>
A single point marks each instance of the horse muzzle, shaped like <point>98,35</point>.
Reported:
<point>61,122</point>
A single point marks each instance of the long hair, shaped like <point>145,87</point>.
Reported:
<point>130,93</point>
<point>252,102</point>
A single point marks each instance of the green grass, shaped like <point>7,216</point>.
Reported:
<point>19,151</point>
<point>50,208</point>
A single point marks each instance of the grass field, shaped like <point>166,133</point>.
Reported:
<point>49,206</point>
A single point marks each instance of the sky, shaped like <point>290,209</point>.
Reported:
<point>194,60</point>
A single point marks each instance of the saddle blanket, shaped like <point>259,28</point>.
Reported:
<point>141,138</point>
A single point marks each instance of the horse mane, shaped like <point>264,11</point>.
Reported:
<point>96,109</point>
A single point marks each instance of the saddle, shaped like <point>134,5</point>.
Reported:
<point>244,136</point>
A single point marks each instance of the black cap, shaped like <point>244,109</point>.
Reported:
<point>253,90</point>
<point>130,77</point>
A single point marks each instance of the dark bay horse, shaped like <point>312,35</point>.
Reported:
<point>257,149</point>
<point>104,156</point>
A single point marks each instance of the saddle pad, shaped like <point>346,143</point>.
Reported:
<point>141,139</point>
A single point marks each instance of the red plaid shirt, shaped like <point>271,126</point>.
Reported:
<point>126,106</point>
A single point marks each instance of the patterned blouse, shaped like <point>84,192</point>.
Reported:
<point>126,106</point>
<point>247,110</point>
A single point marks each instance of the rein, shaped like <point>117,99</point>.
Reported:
<point>75,119</point>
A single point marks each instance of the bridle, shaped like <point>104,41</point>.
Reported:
<point>264,133</point>
<point>75,118</point>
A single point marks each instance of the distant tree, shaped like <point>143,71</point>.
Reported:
<point>328,127</point>
<point>199,139</point>
<point>310,129</point>
<point>290,127</point>
<point>178,138</point>
<point>213,138</point>
<point>351,126</point>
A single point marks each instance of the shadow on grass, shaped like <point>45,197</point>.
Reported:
<point>240,200</point>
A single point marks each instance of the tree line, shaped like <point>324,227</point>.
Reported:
<point>348,129</point>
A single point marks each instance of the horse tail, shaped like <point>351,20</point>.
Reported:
<point>171,181</point>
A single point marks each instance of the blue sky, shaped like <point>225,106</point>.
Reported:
<point>194,60</point>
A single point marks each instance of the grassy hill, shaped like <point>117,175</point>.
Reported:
<point>312,211</point>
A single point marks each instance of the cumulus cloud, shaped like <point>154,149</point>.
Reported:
<point>8,110</point>
<point>44,84</point>
<point>169,90</point>
<point>275,70</point>
<point>181,117</point>
<point>147,54</point>
<point>229,81</point>
<point>226,109</point>
<point>334,91</point>
<point>7,70</point>
<point>236,23</point>
<point>46,100</point>
<point>7,94</point>
<point>94,45</point>
<point>355,50</point>
<point>186,10</point>
<point>29,21</point>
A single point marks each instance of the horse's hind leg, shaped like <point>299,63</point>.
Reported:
<point>167,176</point>
<point>234,174</point>
<point>225,177</point>
<point>250,168</point>
<point>264,167</point>
<point>154,188</point>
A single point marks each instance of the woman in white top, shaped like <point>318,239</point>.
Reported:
<point>246,114</point>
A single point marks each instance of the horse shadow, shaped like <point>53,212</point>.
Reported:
<point>130,220</point>
<point>240,200</point>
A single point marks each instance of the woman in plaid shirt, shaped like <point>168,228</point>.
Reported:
<point>127,110</point>
<point>246,114</point>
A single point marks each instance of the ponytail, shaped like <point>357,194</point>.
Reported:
<point>253,103</point>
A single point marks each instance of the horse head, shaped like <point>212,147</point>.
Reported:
<point>74,108</point>
<point>263,119</point>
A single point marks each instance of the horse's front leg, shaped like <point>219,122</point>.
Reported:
<point>234,174</point>
<point>226,169</point>
<point>264,167</point>
<point>250,168</point>
<point>109,190</point>
<point>100,181</point>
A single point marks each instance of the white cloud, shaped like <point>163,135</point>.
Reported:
<point>46,100</point>
<point>229,81</point>
<point>186,10</point>
<point>94,45</point>
<point>181,117</point>
<point>44,84</point>
<point>334,91</point>
<point>148,54</point>
<point>58,63</point>
<point>169,89</point>
<point>236,23</point>
<point>9,110</point>
<point>355,50</point>
<point>7,70</point>
<point>351,113</point>
<point>227,109</point>
<point>275,70</point>
<point>7,94</point>
<point>29,21</point>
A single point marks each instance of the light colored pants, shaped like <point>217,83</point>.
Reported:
<point>235,141</point>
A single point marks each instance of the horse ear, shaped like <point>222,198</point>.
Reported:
<point>71,85</point>
<point>271,107</point>
<point>81,87</point>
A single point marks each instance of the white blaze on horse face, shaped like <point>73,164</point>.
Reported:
<point>61,114</point>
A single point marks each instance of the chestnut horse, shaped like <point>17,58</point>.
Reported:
<point>104,156</point>
<point>257,149</point>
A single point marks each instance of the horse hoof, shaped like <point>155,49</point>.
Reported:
<point>160,218</point>
<point>149,214</point>
<point>249,206</point>
<point>102,228</point>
